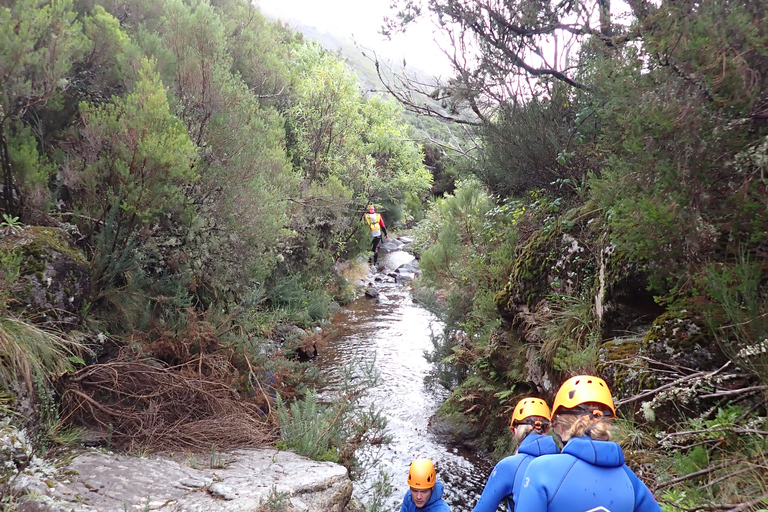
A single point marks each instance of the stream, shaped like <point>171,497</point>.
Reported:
<point>394,332</point>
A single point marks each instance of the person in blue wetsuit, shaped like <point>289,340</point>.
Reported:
<point>529,425</point>
<point>589,474</point>
<point>425,493</point>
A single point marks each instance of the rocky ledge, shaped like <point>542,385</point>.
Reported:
<point>247,479</point>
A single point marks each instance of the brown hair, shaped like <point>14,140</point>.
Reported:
<point>575,424</point>
<point>523,429</point>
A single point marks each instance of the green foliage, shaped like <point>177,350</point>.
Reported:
<point>524,147</point>
<point>276,501</point>
<point>381,491</point>
<point>31,170</point>
<point>10,225</point>
<point>243,178</point>
<point>742,327</point>
<point>326,116</point>
<point>450,234</point>
<point>571,334</point>
<point>136,157</point>
<point>716,460</point>
<point>335,431</point>
<point>39,42</point>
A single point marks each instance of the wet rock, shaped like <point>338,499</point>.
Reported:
<point>390,245</point>
<point>371,292</point>
<point>406,239</point>
<point>411,266</point>
<point>405,277</point>
<point>536,374</point>
<point>250,478</point>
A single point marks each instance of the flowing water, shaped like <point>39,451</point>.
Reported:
<point>393,332</point>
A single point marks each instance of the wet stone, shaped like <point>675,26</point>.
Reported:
<point>114,483</point>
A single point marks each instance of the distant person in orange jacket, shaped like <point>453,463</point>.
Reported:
<point>376,227</point>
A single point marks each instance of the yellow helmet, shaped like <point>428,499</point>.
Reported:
<point>421,475</point>
<point>583,389</point>
<point>527,407</point>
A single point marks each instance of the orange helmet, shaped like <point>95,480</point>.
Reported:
<point>583,389</point>
<point>527,407</point>
<point>421,475</point>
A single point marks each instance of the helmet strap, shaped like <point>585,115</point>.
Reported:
<point>536,424</point>
<point>594,414</point>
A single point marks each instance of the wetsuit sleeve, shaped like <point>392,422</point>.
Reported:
<point>533,495</point>
<point>499,484</point>
<point>381,224</point>
<point>644,500</point>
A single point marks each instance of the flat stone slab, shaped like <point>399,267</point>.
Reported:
<point>248,478</point>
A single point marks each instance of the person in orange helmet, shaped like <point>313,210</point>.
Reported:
<point>425,493</point>
<point>376,227</point>
<point>529,425</point>
<point>590,473</point>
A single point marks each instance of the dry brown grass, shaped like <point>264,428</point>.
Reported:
<point>143,405</point>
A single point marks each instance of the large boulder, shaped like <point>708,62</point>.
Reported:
<point>54,277</point>
<point>246,479</point>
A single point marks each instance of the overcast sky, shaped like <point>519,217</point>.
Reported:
<point>362,20</point>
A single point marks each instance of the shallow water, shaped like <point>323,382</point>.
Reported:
<point>393,332</point>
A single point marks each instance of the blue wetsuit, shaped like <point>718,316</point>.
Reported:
<point>507,477</point>
<point>434,504</point>
<point>588,475</point>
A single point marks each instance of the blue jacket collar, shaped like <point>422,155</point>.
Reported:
<point>597,453</point>
<point>437,493</point>
<point>537,444</point>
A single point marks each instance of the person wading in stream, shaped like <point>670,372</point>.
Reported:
<point>425,493</point>
<point>529,425</point>
<point>589,474</point>
<point>376,227</point>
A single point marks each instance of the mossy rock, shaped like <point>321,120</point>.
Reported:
<point>528,282</point>
<point>682,337</point>
<point>620,364</point>
<point>38,241</point>
<point>556,259</point>
<point>54,276</point>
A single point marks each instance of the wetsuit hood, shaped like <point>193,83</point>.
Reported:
<point>537,444</point>
<point>598,453</point>
<point>437,493</point>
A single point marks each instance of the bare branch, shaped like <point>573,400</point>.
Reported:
<point>652,392</point>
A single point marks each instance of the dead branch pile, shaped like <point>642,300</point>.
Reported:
<point>145,405</point>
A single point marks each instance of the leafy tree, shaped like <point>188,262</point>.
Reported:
<point>351,151</point>
<point>326,116</point>
<point>132,162</point>
<point>39,41</point>
<point>399,168</point>
<point>243,174</point>
<point>110,64</point>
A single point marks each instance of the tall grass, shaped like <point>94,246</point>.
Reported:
<point>29,353</point>
<point>570,333</point>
